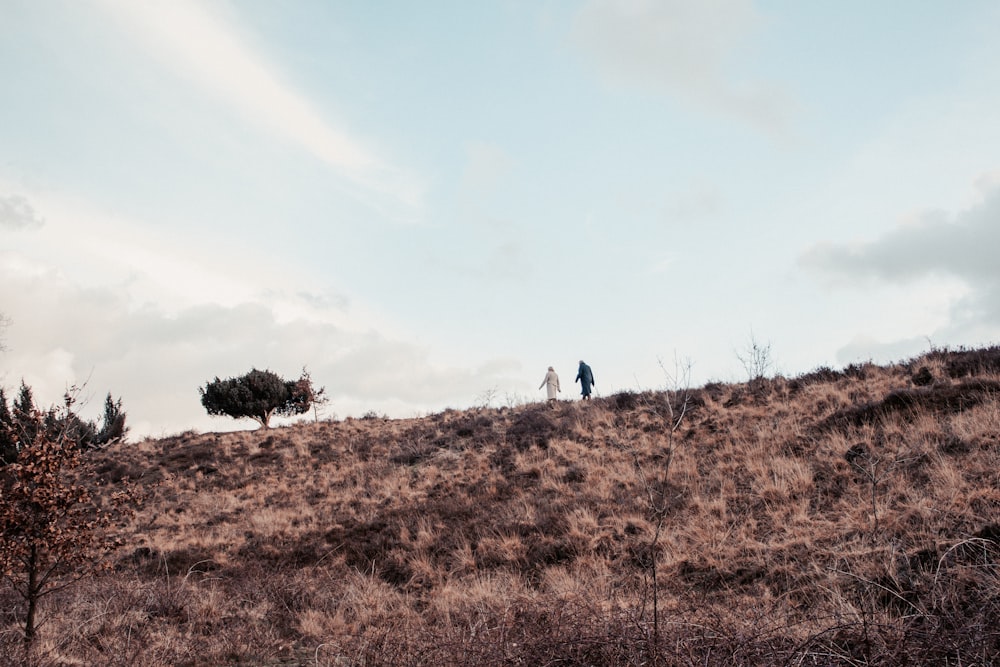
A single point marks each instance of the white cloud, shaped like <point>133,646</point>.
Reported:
<point>664,263</point>
<point>113,303</point>
<point>865,348</point>
<point>939,272</point>
<point>17,213</point>
<point>63,334</point>
<point>208,48</point>
<point>685,49</point>
<point>91,248</point>
<point>962,245</point>
<point>486,167</point>
<point>700,203</point>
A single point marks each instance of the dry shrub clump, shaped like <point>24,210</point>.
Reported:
<point>840,518</point>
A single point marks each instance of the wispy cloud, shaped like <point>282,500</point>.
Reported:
<point>684,49</point>
<point>88,246</point>
<point>208,49</point>
<point>487,165</point>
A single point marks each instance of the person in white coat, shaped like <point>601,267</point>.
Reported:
<point>551,384</point>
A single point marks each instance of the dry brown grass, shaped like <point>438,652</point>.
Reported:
<point>838,518</point>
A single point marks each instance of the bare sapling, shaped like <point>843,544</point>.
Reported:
<point>53,528</point>
<point>672,412</point>
<point>757,361</point>
<point>876,470</point>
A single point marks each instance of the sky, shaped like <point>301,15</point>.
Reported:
<point>427,204</point>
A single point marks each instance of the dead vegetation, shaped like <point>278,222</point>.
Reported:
<point>838,518</point>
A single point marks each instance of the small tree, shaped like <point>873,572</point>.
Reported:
<point>113,428</point>
<point>259,395</point>
<point>679,403</point>
<point>53,530</point>
<point>23,415</point>
<point>652,465</point>
<point>19,424</point>
<point>757,361</point>
<point>305,391</point>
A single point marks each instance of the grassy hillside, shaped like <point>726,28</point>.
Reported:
<point>838,518</point>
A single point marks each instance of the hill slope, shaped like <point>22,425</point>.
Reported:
<point>836,518</point>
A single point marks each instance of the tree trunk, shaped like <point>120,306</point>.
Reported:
<point>32,596</point>
<point>265,419</point>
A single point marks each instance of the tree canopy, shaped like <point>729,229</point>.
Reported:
<point>259,395</point>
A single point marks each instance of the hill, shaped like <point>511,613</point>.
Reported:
<point>838,518</point>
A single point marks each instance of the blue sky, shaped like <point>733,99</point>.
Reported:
<point>427,204</point>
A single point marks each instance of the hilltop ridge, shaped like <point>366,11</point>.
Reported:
<point>839,517</point>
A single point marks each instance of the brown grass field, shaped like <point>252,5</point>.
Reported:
<point>837,518</point>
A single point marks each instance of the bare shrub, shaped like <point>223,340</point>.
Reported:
<point>757,360</point>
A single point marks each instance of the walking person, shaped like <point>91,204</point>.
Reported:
<point>551,384</point>
<point>585,377</point>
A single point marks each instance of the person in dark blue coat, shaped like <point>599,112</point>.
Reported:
<point>585,377</point>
